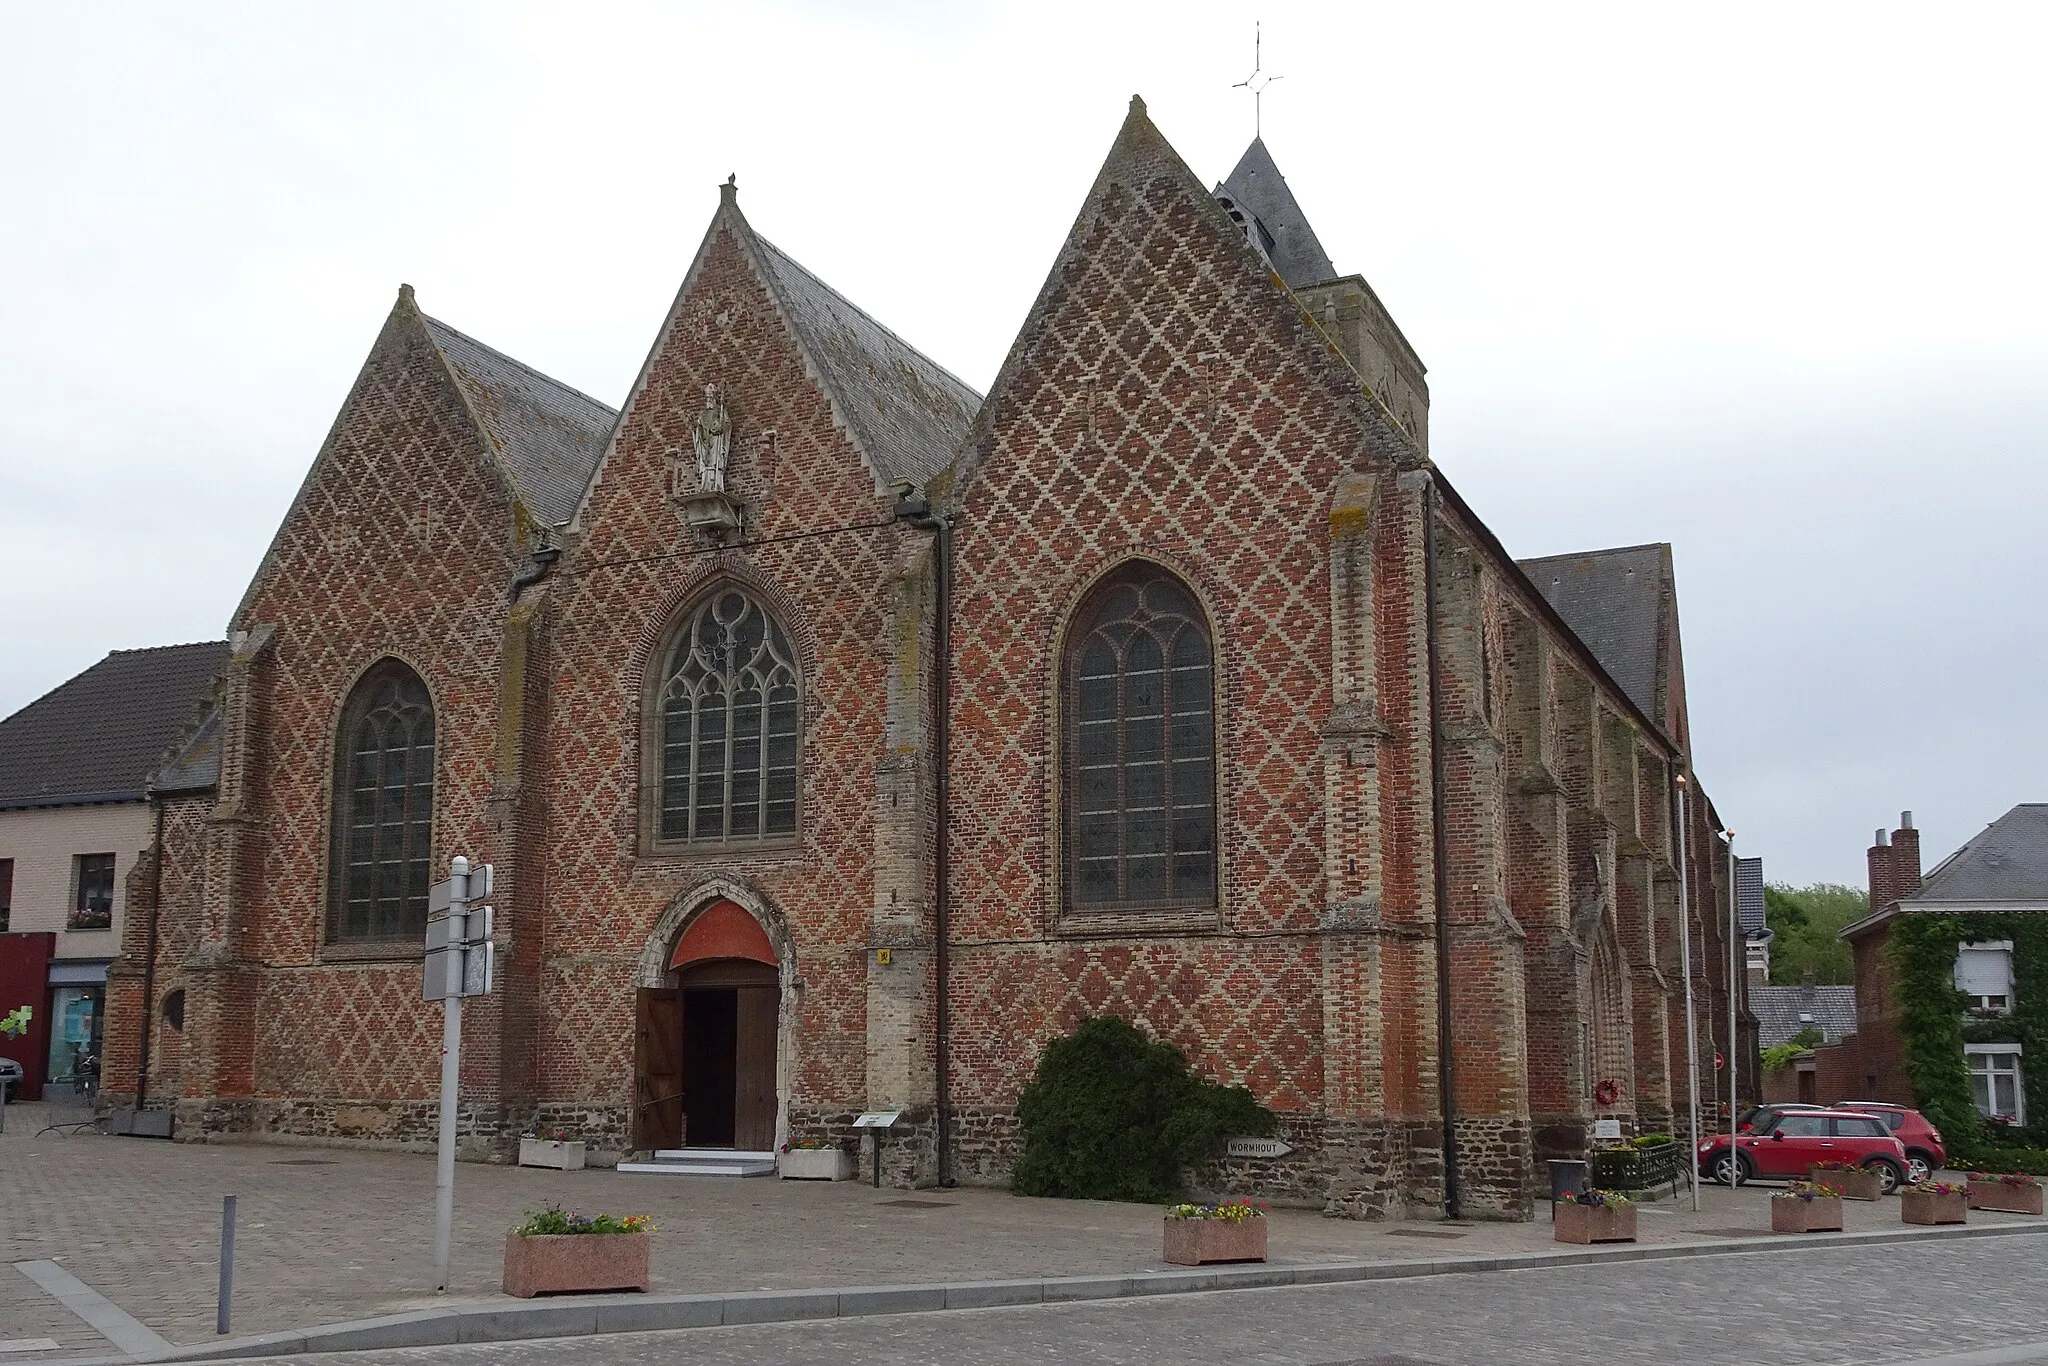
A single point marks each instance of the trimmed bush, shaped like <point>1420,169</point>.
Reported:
<point>1111,1115</point>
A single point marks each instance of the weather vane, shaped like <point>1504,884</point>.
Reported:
<point>1255,82</point>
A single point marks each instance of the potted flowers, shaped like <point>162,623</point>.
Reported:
<point>1934,1202</point>
<point>551,1148</point>
<point>814,1159</point>
<point>1850,1181</point>
<point>1594,1216</point>
<point>557,1253</point>
<point>2013,1192</point>
<point>1234,1231</point>
<point>1807,1207</point>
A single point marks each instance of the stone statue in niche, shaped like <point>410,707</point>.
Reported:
<point>712,436</point>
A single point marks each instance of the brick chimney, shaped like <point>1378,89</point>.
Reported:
<point>1894,864</point>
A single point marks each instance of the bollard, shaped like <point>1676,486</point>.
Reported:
<point>227,1262</point>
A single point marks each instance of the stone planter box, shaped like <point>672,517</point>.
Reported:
<point>1576,1223</point>
<point>1857,1183</point>
<point>1191,1242</point>
<point>1919,1207</point>
<point>815,1164</point>
<point>1790,1214</point>
<point>1999,1196</point>
<point>575,1263</point>
<point>548,1152</point>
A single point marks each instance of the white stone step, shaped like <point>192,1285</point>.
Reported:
<point>703,1162</point>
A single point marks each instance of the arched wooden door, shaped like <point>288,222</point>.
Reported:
<point>706,1046</point>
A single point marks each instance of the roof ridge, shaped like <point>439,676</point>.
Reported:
<point>893,334</point>
<point>1603,550</point>
<point>510,359</point>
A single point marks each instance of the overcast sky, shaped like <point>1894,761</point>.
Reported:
<point>1769,282</point>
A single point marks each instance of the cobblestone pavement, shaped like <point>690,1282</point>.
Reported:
<point>1900,1303</point>
<point>328,1234</point>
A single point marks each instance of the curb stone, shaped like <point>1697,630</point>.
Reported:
<point>496,1321</point>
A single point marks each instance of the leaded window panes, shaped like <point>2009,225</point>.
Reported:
<point>728,716</point>
<point>1140,752</point>
<point>384,808</point>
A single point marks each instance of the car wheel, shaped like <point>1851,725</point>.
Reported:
<point>1918,1168</point>
<point>1888,1173</point>
<point>1731,1171</point>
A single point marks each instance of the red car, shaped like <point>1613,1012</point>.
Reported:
<point>1925,1154</point>
<point>1785,1144</point>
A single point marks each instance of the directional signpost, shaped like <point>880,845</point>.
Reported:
<point>460,956</point>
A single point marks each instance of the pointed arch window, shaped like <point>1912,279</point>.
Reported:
<point>1140,747</point>
<point>724,727</point>
<point>383,808</point>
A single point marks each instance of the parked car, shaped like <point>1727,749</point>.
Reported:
<point>1788,1142</point>
<point>1925,1153</point>
<point>1762,1115</point>
<point>10,1077</point>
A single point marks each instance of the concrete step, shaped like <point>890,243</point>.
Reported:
<point>703,1162</point>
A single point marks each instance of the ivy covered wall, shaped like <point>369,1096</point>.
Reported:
<point>1935,1023</point>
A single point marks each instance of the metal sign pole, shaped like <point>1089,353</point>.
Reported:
<point>451,1080</point>
<point>1734,943</point>
<point>1692,1048</point>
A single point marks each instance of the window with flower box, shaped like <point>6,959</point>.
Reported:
<point>1995,1082</point>
<point>92,906</point>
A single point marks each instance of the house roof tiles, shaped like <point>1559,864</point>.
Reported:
<point>100,736</point>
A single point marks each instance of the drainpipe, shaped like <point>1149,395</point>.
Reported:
<point>915,511</point>
<point>1692,1048</point>
<point>543,558</point>
<point>1446,1063</point>
<point>156,915</point>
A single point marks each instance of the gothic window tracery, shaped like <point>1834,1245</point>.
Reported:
<point>1140,747</point>
<point>383,808</point>
<point>726,716</point>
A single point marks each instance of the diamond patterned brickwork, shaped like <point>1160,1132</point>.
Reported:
<point>1166,399</point>
<point>635,570</point>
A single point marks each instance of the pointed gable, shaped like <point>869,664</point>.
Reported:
<point>1273,219</point>
<point>1622,605</point>
<point>546,436</point>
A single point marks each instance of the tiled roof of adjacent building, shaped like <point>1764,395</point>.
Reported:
<point>2006,861</point>
<point>100,736</point>
<point>1749,894</point>
<point>906,412</point>
<point>1256,187</point>
<point>1779,1012</point>
<point>548,436</point>
<point>1613,600</point>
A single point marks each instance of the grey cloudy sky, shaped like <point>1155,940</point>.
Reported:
<point>1766,281</point>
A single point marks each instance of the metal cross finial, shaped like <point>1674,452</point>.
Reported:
<point>1255,82</point>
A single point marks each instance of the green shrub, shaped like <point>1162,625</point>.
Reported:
<point>1112,1115</point>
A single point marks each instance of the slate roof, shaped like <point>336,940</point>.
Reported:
<point>2006,861</point>
<point>100,736</point>
<point>905,411</point>
<point>1777,1011</point>
<point>548,436</point>
<point>1613,601</point>
<point>1257,187</point>
<point>1749,894</point>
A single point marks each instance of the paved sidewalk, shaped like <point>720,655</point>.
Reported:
<point>328,1234</point>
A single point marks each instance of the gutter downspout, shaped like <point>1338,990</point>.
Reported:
<point>1692,1048</point>
<point>156,915</point>
<point>543,558</point>
<point>1446,1062</point>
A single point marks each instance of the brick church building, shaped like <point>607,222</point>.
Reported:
<point>840,735</point>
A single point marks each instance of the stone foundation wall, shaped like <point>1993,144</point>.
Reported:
<point>484,1132</point>
<point>1496,1169</point>
<point>909,1149</point>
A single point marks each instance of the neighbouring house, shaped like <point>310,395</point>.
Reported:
<point>839,737</point>
<point>76,824</point>
<point>1951,975</point>
<point>1784,1013</point>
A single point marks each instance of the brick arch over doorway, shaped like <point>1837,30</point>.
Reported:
<point>723,930</point>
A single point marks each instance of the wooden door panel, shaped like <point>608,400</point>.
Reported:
<point>754,1107</point>
<point>658,1068</point>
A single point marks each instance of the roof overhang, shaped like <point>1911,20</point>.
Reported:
<point>46,801</point>
<point>1899,908</point>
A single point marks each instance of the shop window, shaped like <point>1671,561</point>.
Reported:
<point>1984,975</point>
<point>1995,1082</point>
<point>92,908</point>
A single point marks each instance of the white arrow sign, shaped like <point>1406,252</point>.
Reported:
<point>1256,1147</point>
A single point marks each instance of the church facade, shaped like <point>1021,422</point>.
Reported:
<point>840,735</point>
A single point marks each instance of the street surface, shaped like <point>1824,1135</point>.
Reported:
<point>1902,1303</point>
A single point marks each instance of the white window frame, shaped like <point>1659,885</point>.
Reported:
<point>1982,1002</point>
<point>2019,1074</point>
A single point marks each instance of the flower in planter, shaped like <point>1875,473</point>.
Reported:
<point>2006,1178</point>
<point>1939,1188</point>
<point>1834,1165</point>
<point>1231,1211</point>
<point>556,1220</point>
<point>1595,1198</point>
<point>1812,1190</point>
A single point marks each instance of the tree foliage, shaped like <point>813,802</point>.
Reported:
<point>1803,923</point>
<point>1781,1054</point>
<point>1111,1115</point>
